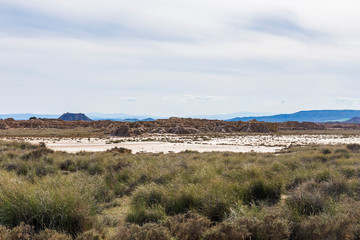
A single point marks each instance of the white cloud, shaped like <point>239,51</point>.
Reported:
<point>128,99</point>
<point>347,101</point>
<point>221,55</point>
<point>193,98</point>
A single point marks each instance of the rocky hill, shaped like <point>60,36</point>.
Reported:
<point>163,126</point>
<point>188,126</point>
<point>174,126</point>
<point>74,117</point>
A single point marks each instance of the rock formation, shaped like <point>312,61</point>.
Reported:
<point>3,125</point>
<point>74,117</point>
<point>173,126</point>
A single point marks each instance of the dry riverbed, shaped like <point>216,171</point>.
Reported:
<point>174,143</point>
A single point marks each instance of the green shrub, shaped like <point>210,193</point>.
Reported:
<point>325,151</point>
<point>348,172</point>
<point>22,169</point>
<point>67,165</point>
<point>306,201</point>
<point>95,169</point>
<point>143,214</point>
<point>38,153</point>
<point>353,147</point>
<point>258,191</point>
<point>216,209</point>
<point>60,203</point>
<point>334,188</point>
<point>341,153</point>
<point>323,176</point>
<point>147,195</point>
<point>295,181</point>
<point>181,202</point>
<point>42,170</point>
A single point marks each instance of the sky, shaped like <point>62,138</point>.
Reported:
<point>179,57</point>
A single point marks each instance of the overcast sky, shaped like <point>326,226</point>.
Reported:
<point>179,57</point>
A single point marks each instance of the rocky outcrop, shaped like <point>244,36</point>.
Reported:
<point>173,126</point>
<point>3,125</point>
<point>162,126</point>
<point>119,150</point>
<point>74,117</point>
<point>121,131</point>
<point>183,130</point>
<point>293,125</point>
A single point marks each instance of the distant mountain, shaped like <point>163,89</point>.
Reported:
<point>148,120</point>
<point>227,116</point>
<point>355,120</point>
<point>117,116</point>
<point>26,116</point>
<point>74,117</point>
<point>137,120</point>
<point>306,116</point>
<point>92,116</point>
<point>130,120</point>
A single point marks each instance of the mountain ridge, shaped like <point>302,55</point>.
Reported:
<point>306,116</point>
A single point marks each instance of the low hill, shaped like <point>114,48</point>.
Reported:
<point>74,117</point>
<point>306,116</point>
<point>355,120</point>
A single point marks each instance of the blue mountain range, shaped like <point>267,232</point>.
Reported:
<point>306,116</point>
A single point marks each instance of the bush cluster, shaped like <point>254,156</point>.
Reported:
<point>306,193</point>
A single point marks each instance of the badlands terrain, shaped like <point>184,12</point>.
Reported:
<point>176,135</point>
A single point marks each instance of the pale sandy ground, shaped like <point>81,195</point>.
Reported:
<point>173,143</point>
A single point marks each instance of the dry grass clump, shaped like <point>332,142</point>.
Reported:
<point>90,235</point>
<point>325,226</point>
<point>189,226</point>
<point>61,203</point>
<point>146,232</point>
<point>26,232</point>
<point>227,231</point>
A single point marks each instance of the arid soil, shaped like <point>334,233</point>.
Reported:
<point>173,143</point>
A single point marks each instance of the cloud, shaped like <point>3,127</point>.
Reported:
<point>347,101</point>
<point>128,99</point>
<point>208,56</point>
<point>193,98</point>
<point>25,21</point>
<point>285,25</point>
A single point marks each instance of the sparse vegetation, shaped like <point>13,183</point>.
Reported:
<point>305,193</point>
